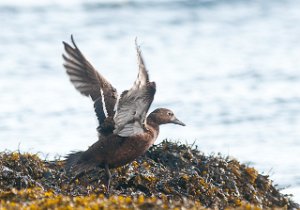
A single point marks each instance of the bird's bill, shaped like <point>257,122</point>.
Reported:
<point>178,122</point>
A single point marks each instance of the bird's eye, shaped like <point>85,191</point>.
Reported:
<point>170,113</point>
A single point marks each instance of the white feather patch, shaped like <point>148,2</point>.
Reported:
<point>103,103</point>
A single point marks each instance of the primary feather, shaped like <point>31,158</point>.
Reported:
<point>89,82</point>
<point>134,104</point>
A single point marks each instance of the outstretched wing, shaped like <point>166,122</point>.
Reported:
<point>89,82</point>
<point>134,104</point>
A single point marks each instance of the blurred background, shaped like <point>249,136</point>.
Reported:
<point>230,69</point>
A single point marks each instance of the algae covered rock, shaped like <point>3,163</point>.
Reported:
<point>169,176</point>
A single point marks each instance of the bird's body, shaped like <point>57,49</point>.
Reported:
<point>114,150</point>
<point>125,131</point>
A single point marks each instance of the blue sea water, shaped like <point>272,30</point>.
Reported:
<point>229,69</point>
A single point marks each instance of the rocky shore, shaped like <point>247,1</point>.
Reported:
<point>169,176</point>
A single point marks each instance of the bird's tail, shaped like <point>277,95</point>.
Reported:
<point>72,160</point>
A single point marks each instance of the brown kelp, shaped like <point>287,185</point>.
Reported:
<point>169,176</point>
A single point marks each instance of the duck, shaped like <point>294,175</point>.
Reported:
<point>125,131</point>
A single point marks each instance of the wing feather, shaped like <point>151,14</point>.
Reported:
<point>134,104</point>
<point>89,82</point>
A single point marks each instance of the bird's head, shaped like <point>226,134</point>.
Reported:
<point>163,116</point>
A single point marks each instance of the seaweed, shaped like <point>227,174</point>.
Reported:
<point>168,176</point>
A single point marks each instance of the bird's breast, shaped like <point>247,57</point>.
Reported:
<point>130,148</point>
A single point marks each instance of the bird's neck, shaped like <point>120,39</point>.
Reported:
<point>152,122</point>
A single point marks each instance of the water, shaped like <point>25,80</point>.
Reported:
<point>228,69</point>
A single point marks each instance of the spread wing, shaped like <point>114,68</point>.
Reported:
<point>133,104</point>
<point>89,82</point>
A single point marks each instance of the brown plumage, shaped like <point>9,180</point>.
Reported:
<point>124,131</point>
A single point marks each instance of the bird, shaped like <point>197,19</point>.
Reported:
<point>125,131</point>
